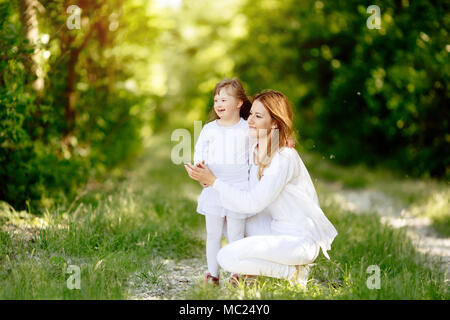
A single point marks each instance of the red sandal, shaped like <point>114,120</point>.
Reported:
<point>214,280</point>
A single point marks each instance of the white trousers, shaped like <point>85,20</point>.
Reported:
<point>268,255</point>
<point>215,227</point>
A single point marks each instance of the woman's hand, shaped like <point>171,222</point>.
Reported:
<point>204,185</point>
<point>201,173</point>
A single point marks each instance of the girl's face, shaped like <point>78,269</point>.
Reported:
<point>259,122</point>
<point>226,106</point>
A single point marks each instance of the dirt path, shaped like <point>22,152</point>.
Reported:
<point>419,229</point>
<point>172,285</point>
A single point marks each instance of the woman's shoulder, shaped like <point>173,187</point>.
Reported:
<point>288,153</point>
<point>283,159</point>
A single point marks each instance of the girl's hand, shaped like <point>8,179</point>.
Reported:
<point>201,173</point>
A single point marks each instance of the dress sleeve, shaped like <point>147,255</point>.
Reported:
<point>200,148</point>
<point>275,178</point>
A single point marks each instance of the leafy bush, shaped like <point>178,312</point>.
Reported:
<point>362,95</point>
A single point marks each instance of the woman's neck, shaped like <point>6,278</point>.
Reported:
<point>261,148</point>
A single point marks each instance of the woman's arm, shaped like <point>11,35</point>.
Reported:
<point>275,178</point>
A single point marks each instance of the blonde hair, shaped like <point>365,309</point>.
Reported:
<point>280,111</point>
<point>237,91</point>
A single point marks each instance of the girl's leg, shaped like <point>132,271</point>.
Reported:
<point>235,229</point>
<point>273,255</point>
<point>214,230</point>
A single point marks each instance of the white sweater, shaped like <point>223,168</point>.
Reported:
<point>287,193</point>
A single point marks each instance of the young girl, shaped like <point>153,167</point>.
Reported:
<point>223,146</point>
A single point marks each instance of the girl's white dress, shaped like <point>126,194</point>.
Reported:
<point>226,152</point>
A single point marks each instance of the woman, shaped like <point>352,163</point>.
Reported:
<point>281,186</point>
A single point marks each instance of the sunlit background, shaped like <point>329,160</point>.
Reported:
<point>91,91</point>
<point>81,91</point>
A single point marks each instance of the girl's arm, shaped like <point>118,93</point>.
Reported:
<point>200,147</point>
<point>199,151</point>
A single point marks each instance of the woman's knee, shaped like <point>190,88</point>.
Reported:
<point>306,252</point>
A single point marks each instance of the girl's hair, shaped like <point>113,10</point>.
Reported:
<point>235,89</point>
<point>280,110</point>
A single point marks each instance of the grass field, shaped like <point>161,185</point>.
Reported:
<point>120,230</point>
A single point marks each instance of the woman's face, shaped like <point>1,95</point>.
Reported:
<point>226,105</point>
<point>259,122</point>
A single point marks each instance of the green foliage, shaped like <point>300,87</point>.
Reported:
<point>373,96</point>
<point>19,178</point>
<point>47,152</point>
<point>361,95</point>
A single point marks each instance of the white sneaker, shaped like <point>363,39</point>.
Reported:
<point>300,276</point>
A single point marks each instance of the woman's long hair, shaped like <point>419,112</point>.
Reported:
<point>280,110</point>
<point>235,89</point>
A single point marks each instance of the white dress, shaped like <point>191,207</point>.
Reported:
<point>287,194</point>
<point>225,151</point>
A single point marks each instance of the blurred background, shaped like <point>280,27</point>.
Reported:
<point>81,91</point>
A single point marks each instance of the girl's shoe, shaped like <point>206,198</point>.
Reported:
<point>300,276</point>
<point>210,279</point>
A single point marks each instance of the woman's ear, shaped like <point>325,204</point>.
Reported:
<point>240,103</point>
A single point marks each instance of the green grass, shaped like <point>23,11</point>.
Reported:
<point>113,234</point>
<point>121,230</point>
<point>362,241</point>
